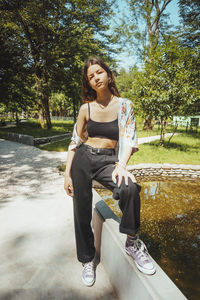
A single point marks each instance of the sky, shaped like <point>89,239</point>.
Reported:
<point>125,60</point>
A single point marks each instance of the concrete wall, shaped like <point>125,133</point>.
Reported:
<point>21,138</point>
<point>30,140</point>
<point>126,279</point>
<point>50,139</point>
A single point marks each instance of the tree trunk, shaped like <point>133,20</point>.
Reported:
<point>61,111</point>
<point>17,118</point>
<point>162,131</point>
<point>46,111</point>
<point>43,98</point>
<point>148,123</point>
<point>41,116</point>
<point>39,100</point>
<point>74,111</point>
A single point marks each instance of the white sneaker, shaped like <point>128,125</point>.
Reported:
<point>89,273</point>
<point>138,251</point>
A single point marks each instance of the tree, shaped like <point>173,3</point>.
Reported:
<point>15,73</point>
<point>54,35</point>
<point>126,81</point>
<point>169,85</point>
<point>189,11</point>
<point>145,30</point>
<point>60,105</point>
<point>189,37</point>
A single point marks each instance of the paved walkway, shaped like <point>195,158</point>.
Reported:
<point>37,246</point>
<point>149,139</point>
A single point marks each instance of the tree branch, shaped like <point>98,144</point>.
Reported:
<point>159,11</point>
<point>34,51</point>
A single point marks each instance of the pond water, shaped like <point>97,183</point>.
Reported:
<point>170,227</point>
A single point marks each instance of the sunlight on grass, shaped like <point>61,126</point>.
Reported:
<point>33,128</point>
<point>59,146</point>
<point>183,149</point>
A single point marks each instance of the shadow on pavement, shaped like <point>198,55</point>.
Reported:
<point>25,169</point>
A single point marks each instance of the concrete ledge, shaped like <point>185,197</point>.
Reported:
<point>21,138</point>
<point>45,140</point>
<point>127,280</point>
<point>30,140</point>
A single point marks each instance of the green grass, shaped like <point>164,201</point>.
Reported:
<point>183,149</point>
<point>60,146</point>
<point>32,127</point>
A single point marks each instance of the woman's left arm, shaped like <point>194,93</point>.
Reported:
<point>120,169</point>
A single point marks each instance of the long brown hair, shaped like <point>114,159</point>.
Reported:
<point>88,94</point>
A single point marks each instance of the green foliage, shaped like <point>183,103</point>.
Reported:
<point>189,11</point>
<point>53,39</point>
<point>60,105</point>
<point>16,75</point>
<point>170,83</point>
<point>167,85</point>
<point>124,80</point>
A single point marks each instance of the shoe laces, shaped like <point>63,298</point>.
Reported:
<point>89,268</point>
<point>141,249</point>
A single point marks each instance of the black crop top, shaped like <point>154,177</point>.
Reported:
<point>108,130</point>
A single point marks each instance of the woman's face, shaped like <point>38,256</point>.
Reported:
<point>97,77</point>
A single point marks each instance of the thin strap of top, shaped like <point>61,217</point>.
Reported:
<point>88,110</point>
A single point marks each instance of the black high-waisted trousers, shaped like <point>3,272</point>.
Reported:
<point>86,166</point>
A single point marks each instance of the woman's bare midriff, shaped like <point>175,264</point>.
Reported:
<point>101,143</point>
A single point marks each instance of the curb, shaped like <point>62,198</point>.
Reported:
<point>125,278</point>
<point>31,141</point>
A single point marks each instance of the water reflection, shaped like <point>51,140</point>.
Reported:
<point>170,214</point>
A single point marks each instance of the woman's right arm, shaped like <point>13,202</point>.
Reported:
<point>81,123</point>
<point>68,180</point>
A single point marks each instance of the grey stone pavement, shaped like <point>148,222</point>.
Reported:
<point>37,246</point>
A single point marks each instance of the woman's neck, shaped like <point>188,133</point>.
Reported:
<point>104,97</point>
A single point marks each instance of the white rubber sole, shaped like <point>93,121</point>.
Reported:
<point>87,283</point>
<point>145,271</point>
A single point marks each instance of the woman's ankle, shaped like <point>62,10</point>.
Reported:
<point>130,237</point>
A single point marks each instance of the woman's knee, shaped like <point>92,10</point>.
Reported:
<point>132,188</point>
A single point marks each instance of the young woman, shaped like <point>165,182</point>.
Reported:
<point>104,123</point>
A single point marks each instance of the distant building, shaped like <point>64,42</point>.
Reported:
<point>186,121</point>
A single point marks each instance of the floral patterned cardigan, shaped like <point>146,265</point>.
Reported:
<point>127,129</point>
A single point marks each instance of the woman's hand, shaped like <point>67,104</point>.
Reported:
<point>68,186</point>
<point>121,172</point>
